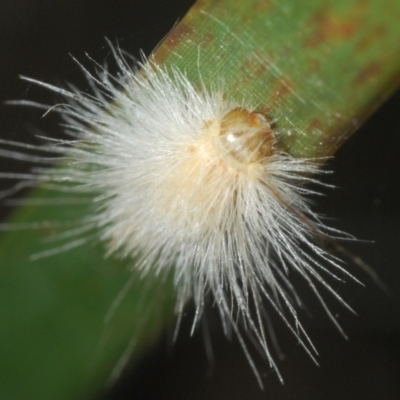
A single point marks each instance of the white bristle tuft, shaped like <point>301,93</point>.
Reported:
<point>188,180</point>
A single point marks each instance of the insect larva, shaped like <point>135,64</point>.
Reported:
<point>188,180</point>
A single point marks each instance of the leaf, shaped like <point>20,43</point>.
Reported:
<point>318,68</point>
<point>55,342</point>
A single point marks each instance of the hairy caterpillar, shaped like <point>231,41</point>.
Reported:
<point>185,179</point>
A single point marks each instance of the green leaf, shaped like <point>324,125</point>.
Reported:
<point>318,68</point>
<point>55,340</point>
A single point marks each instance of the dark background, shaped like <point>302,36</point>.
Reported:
<point>35,39</point>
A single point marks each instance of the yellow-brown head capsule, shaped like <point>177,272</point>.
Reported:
<point>242,138</point>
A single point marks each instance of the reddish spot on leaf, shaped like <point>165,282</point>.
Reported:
<point>284,87</point>
<point>316,124</point>
<point>262,5</point>
<point>330,27</point>
<point>258,63</point>
<point>367,41</point>
<point>367,73</point>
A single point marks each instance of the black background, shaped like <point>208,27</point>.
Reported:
<point>35,39</point>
